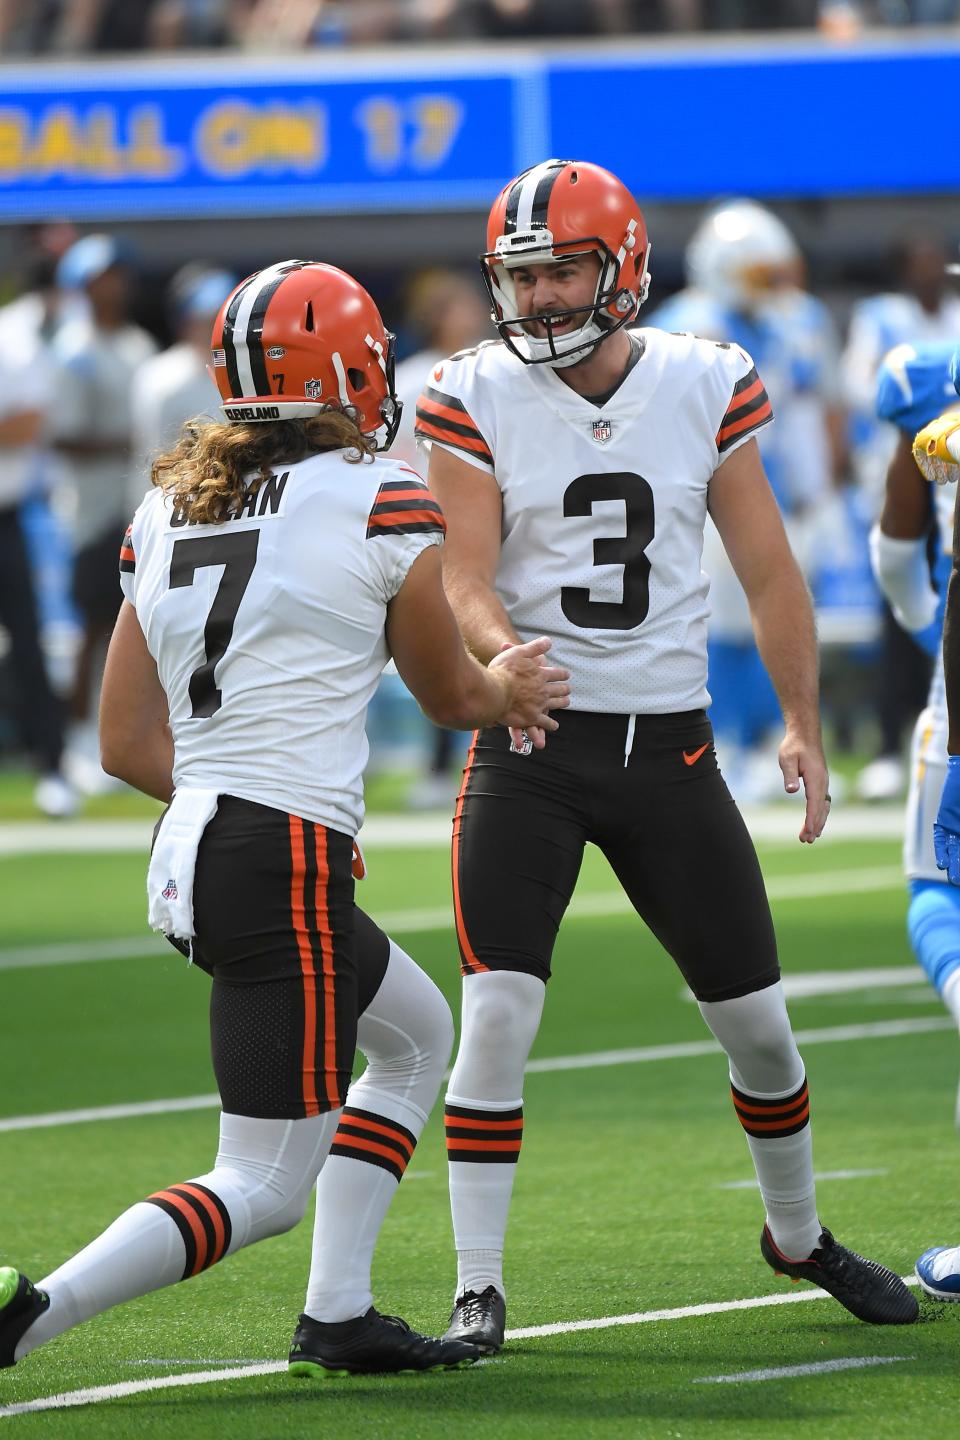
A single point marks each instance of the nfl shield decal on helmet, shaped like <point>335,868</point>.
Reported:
<point>602,430</point>
<point>313,389</point>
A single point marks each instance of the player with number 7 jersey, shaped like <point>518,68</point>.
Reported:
<point>276,564</point>
<point>576,459</point>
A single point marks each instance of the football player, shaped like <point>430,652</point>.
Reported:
<point>936,450</point>
<point>267,577</point>
<point>577,461</point>
<point>743,269</point>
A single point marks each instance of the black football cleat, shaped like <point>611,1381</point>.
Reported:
<point>374,1344</point>
<point>868,1290</point>
<point>20,1304</point>
<point>479,1319</point>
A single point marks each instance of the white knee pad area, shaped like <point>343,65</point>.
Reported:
<point>755,1032</point>
<point>500,1018</point>
<point>265,1171</point>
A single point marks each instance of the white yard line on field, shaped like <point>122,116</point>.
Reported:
<point>98,1393</point>
<point>440,917</point>
<point>789,1372</point>
<point>686,1050</point>
<point>777,824</point>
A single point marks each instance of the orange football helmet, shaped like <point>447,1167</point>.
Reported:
<point>299,337</point>
<point>556,210</point>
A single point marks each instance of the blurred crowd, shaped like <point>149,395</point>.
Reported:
<point>60,27</point>
<point>88,396</point>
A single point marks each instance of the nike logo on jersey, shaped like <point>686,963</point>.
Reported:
<point>690,757</point>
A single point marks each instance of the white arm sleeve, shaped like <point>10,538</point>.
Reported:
<point>904,577</point>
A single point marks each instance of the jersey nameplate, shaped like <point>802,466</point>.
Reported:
<point>258,503</point>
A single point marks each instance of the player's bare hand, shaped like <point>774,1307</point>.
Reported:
<point>802,762</point>
<point>534,688</point>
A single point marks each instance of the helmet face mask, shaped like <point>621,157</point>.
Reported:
<point>300,338</point>
<point>559,211</point>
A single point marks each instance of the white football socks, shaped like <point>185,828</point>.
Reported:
<point>770,1098</point>
<point>484,1117</point>
<point>259,1186</point>
<point>406,1033</point>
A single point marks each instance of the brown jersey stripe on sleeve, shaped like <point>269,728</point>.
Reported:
<point>447,424</point>
<point>471,446</point>
<point>128,558</point>
<point>431,395</point>
<point>761,412</point>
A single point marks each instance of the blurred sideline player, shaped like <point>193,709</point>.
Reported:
<point>744,270</point>
<point>274,565</point>
<point>923,310</point>
<point>448,312</point>
<point>176,385</point>
<point>577,459</point>
<point>937,452</point>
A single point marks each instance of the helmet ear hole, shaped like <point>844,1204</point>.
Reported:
<point>308,318</point>
<point>357,378</point>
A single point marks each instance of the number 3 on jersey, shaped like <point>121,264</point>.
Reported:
<point>237,553</point>
<point>626,550</point>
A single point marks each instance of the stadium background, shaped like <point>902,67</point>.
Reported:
<point>270,129</point>
<point>634,1195</point>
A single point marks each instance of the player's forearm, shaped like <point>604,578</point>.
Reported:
<point>483,621</point>
<point>143,761</point>
<point>786,638</point>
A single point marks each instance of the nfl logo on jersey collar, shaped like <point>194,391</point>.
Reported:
<point>602,430</point>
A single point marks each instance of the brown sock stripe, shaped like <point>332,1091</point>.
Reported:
<point>772,1119</point>
<point>362,1135</point>
<point>483,1136</point>
<point>203,1222</point>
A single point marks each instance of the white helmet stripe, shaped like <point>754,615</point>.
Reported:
<point>628,243</point>
<point>341,377</point>
<point>267,277</point>
<point>528,193</point>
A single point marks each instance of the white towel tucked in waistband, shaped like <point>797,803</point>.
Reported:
<point>170,876</point>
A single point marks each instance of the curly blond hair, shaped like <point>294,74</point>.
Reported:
<point>213,467</point>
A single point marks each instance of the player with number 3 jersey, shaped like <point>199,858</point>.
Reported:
<point>576,460</point>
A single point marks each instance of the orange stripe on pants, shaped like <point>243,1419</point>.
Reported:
<point>299,918</point>
<point>325,939</point>
<point>470,958</point>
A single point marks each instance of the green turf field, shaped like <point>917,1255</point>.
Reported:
<point>620,1207</point>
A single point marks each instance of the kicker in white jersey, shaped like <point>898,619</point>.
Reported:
<point>268,629</point>
<point>604,507</point>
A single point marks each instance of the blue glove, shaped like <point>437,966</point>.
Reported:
<point>946,827</point>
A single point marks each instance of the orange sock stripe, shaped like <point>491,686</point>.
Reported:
<point>299,919</point>
<point>471,965</point>
<point>360,1142</point>
<point>221,1239</point>
<point>770,1111</point>
<point>325,940</point>
<point>789,1122</point>
<point>168,1199</point>
<point>470,1143</point>
<point>351,1120</point>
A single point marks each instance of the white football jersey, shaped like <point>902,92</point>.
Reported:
<point>268,629</point>
<point>604,508</point>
